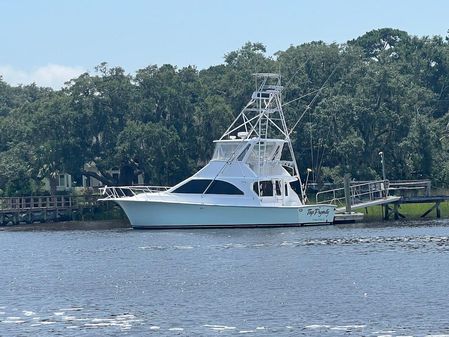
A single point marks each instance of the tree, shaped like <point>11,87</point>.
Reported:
<point>383,91</point>
<point>16,171</point>
<point>152,149</point>
<point>100,105</point>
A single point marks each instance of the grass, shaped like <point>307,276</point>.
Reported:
<point>410,211</point>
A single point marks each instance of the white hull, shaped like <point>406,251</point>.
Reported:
<point>152,215</point>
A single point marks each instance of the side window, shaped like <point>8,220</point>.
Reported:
<point>196,186</point>
<point>296,186</point>
<point>199,186</point>
<point>263,188</point>
<point>286,190</point>
<point>223,187</point>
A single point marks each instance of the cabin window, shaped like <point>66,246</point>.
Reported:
<point>199,186</point>
<point>223,187</point>
<point>286,190</point>
<point>296,186</point>
<point>196,186</point>
<point>61,180</point>
<point>263,188</point>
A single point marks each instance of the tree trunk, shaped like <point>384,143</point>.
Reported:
<point>100,178</point>
<point>126,175</point>
<point>53,185</point>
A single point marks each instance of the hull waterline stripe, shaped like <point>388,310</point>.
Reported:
<point>231,226</point>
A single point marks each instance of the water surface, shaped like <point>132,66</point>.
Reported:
<point>310,281</point>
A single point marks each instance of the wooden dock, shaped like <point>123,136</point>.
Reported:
<point>436,200</point>
<point>36,209</point>
<point>356,195</point>
<point>343,218</point>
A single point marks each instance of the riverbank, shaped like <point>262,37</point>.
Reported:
<point>410,211</point>
<point>69,225</point>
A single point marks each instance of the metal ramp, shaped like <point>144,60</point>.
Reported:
<point>361,194</point>
<point>387,200</point>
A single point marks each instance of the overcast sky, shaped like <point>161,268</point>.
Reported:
<point>51,41</point>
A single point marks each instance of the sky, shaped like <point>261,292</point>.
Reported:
<point>51,41</point>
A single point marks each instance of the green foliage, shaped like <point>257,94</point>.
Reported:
<point>16,170</point>
<point>152,149</point>
<point>384,91</point>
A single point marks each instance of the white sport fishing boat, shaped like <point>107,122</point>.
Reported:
<point>252,179</point>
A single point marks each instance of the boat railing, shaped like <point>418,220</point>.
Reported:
<point>359,192</point>
<point>114,192</point>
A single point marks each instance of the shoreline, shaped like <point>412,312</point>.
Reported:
<point>68,226</point>
<point>92,225</point>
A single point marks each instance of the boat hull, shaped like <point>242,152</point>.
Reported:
<point>161,215</point>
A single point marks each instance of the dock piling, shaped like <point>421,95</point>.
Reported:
<point>347,178</point>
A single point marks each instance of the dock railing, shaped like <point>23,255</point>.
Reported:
<point>39,202</point>
<point>402,187</point>
<point>114,192</point>
<point>360,192</point>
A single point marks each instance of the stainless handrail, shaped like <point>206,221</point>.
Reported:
<point>115,192</point>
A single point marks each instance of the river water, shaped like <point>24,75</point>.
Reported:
<point>313,281</point>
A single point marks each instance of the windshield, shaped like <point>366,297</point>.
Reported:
<point>224,151</point>
<point>263,151</point>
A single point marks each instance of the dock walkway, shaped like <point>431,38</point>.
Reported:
<point>383,201</point>
<point>391,195</point>
<point>28,210</point>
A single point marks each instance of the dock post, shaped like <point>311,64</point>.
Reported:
<point>438,210</point>
<point>396,211</point>
<point>347,192</point>
<point>428,188</point>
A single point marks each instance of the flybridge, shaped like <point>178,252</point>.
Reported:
<point>263,122</point>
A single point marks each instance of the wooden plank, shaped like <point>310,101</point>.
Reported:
<point>347,218</point>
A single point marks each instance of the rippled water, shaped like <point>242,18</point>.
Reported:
<point>315,281</point>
